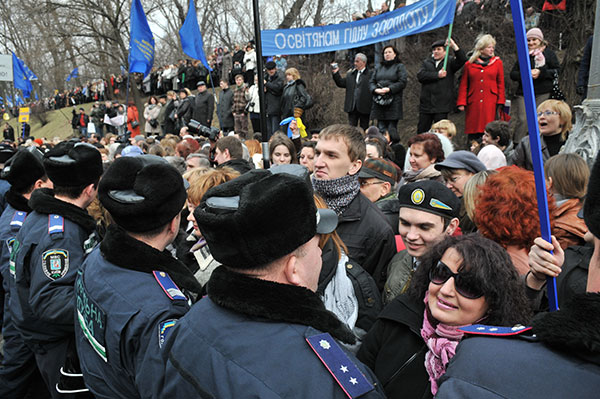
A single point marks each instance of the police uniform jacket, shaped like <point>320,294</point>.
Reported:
<point>11,221</point>
<point>563,362</point>
<point>437,95</point>
<point>48,251</point>
<point>248,340</point>
<point>395,350</point>
<point>127,302</point>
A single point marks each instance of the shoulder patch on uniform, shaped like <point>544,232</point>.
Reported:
<point>56,224</point>
<point>18,219</point>
<point>168,286</point>
<point>163,330</point>
<point>55,263</point>
<point>481,329</point>
<point>91,318</point>
<point>344,371</point>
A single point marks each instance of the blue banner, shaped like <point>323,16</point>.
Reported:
<point>74,73</point>
<point>29,73</point>
<point>20,78</point>
<point>191,38</point>
<point>422,16</point>
<point>141,43</point>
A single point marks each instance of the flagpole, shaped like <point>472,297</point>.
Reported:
<point>534,136</point>
<point>448,46</point>
<point>261,85</point>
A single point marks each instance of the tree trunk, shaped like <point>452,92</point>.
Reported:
<point>291,16</point>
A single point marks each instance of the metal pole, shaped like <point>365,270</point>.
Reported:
<point>261,85</point>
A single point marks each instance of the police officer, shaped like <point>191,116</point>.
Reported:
<point>48,251</point>
<point>262,331</point>
<point>130,291</point>
<point>19,375</point>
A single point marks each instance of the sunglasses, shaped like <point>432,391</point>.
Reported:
<point>465,284</point>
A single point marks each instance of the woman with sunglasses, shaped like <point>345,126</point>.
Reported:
<point>461,281</point>
<point>554,120</point>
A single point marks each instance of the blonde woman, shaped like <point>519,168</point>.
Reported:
<point>481,91</point>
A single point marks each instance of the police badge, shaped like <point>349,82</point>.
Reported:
<point>55,263</point>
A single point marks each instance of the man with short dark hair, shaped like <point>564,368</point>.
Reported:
<point>340,153</point>
<point>204,105</point>
<point>262,331</point>
<point>229,153</point>
<point>378,178</point>
<point>359,98</point>
<point>19,374</point>
<point>437,84</point>
<point>428,213</point>
<point>274,82</point>
<point>130,291</point>
<point>48,252</point>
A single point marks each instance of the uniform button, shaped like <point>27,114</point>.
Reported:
<point>370,300</point>
<point>481,91</point>
<point>482,71</point>
<point>349,266</point>
<point>481,80</point>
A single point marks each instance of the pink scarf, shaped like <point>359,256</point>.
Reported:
<point>538,56</point>
<point>442,341</point>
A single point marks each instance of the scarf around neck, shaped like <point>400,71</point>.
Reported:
<point>337,193</point>
<point>442,341</point>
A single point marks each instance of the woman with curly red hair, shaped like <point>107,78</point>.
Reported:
<point>506,212</point>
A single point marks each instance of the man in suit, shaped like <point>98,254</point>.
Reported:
<point>358,96</point>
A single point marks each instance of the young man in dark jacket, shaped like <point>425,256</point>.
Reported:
<point>274,82</point>
<point>437,84</point>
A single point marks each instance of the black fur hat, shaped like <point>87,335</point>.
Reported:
<point>70,165</point>
<point>24,169</point>
<point>142,193</point>
<point>258,217</point>
<point>591,206</point>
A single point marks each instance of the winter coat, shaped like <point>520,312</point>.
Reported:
<point>543,84</point>
<point>437,95</point>
<point>204,108</point>
<point>239,99</point>
<point>568,228</point>
<point>395,350</point>
<point>563,361</point>
<point>274,91</point>
<point>394,76</point>
<point>368,236</point>
<point>151,112</point>
<point>224,109</point>
<point>358,96</point>
<point>399,273</point>
<point>481,90</point>
<point>133,115</point>
<point>184,112</point>
<point>294,96</point>
<point>253,100</point>
<point>521,156</point>
<point>251,336</point>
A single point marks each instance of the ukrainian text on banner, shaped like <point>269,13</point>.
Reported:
<point>422,16</point>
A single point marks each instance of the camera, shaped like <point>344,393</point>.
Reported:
<point>196,127</point>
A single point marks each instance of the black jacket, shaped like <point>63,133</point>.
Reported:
<point>240,165</point>
<point>437,95</point>
<point>358,97</point>
<point>392,75</point>
<point>368,236</point>
<point>204,107</point>
<point>365,289</point>
<point>274,91</point>
<point>294,96</point>
<point>395,350</point>
<point>184,112</point>
<point>543,84</point>
<point>224,109</point>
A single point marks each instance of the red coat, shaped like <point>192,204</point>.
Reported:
<point>133,115</point>
<point>481,89</point>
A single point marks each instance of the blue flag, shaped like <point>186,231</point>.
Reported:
<point>20,77</point>
<point>191,38</point>
<point>74,74</point>
<point>141,44</point>
<point>29,73</point>
<point>9,101</point>
<point>19,100</point>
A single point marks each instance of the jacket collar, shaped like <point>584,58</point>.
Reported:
<point>42,201</point>
<point>575,329</point>
<point>121,249</point>
<point>406,310</point>
<point>274,301</point>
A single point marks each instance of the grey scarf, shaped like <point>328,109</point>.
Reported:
<point>338,193</point>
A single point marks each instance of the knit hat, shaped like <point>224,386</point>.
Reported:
<point>259,217</point>
<point>71,165</point>
<point>142,193</point>
<point>591,206</point>
<point>24,169</point>
<point>535,33</point>
<point>429,196</point>
<point>380,169</point>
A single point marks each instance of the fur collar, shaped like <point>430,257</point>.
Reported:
<point>274,301</point>
<point>17,201</point>
<point>574,329</point>
<point>120,249</point>
<point>42,201</point>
